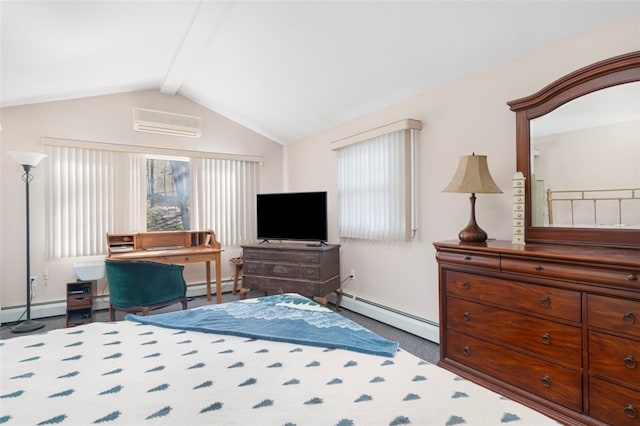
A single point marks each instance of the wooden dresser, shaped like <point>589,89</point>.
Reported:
<point>292,268</point>
<point>556,327</point>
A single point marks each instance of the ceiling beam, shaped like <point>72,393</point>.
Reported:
<point>205,23</point>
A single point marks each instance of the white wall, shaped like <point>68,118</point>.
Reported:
<point>103,119</point>
<point>464,116</point>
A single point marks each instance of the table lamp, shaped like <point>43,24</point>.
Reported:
<point>473,177</point>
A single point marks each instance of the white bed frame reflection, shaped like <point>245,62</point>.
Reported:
<point>618,207</point>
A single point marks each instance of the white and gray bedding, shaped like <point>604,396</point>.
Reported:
<point>183,372</point>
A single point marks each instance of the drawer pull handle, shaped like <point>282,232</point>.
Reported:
<point>629,318</point>
<point>630,361</point>
<point>466,316</point>
<point>465,285</point>
<point>310,272</point>
<point>545,301</point>
<point>538,267</point>
<point>632,277</point>
<point>308,259</point>
<point>546,381</point>
<point>252,268</point>
<point>630,411</point>
<point>280,270</point>
<point>466,350</point>
<point>546,338</point>
<point>467,258</point>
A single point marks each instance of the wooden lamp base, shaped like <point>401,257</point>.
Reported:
<point>473,233</point>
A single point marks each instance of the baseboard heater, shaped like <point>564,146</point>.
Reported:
<point>401,320</point>
<point>59,307</point>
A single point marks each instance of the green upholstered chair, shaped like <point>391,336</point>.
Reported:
<point>142,285</point>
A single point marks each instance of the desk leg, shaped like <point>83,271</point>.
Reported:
<point>207,265</point>
<point>218,279</point>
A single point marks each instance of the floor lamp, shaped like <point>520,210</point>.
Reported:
<point>27,160</point>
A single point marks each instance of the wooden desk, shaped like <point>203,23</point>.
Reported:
<point>146,246</point>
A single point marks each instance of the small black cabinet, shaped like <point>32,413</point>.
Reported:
<point>79,303</point>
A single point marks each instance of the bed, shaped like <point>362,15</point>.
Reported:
<point>274,360</point>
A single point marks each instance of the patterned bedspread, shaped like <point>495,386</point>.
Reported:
<point>134,374</point>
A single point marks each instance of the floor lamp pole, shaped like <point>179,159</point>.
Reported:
<point>29,324</point>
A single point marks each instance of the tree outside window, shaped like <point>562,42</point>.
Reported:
<point>167,195</point>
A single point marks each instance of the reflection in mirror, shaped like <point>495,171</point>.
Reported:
<point>585,161</point>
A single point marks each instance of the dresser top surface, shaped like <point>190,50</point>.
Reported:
<point>290,246</point>
<point>603,255</point>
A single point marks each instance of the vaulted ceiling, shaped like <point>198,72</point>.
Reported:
<point>285,69</point>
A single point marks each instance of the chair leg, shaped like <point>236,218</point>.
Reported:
<point>184,303</point>
<point>243,293</point>
<point>236,274</point>
<point>112,313</point>
<point>235,281</point>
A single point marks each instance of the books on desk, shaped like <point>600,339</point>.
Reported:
<point>121,249</point>
<point>164,248</point>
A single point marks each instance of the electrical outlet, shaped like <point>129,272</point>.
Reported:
<point>34,280</point>
<point>352,274</point>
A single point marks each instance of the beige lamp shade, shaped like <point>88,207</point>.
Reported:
<point>473,177</point>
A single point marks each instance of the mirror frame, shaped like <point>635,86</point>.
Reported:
<point>609,72</point>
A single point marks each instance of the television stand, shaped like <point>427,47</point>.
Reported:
<point>313,272</point>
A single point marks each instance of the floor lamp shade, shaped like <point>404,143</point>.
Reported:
<point>473,177</point>
<point>27,160</point>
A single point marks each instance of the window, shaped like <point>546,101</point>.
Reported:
<point>376,185</point>
<point>167,194</point>
<point>98,188</point>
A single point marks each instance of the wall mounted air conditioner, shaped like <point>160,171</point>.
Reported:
<point>167,123</point>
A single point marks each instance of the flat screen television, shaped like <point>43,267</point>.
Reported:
<point>300,216</point>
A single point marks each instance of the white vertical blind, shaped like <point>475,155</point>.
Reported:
<point>90,192</point>
<point>375,188</point>
<point>224,197</point>
<point>131,214</point>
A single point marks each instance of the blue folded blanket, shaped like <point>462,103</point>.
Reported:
<point>284,317</point>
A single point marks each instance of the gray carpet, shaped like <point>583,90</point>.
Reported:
<point>418,346</point>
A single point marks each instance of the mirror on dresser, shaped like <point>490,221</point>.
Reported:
<point>579,150</point>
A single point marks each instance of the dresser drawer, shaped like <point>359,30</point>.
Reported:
<point>613,404</point>
<point>285,270</point>
<point>614,314</point>
<point>550,339</point>
<point>251,268</point>
<point>549,301</point>
<point>79,302</point>
<point>469,259</point>
<point>585,273</point>
<point>560,385</point>
<point>614,357</point>
<point>287,285</point>
<point>283,255</point>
